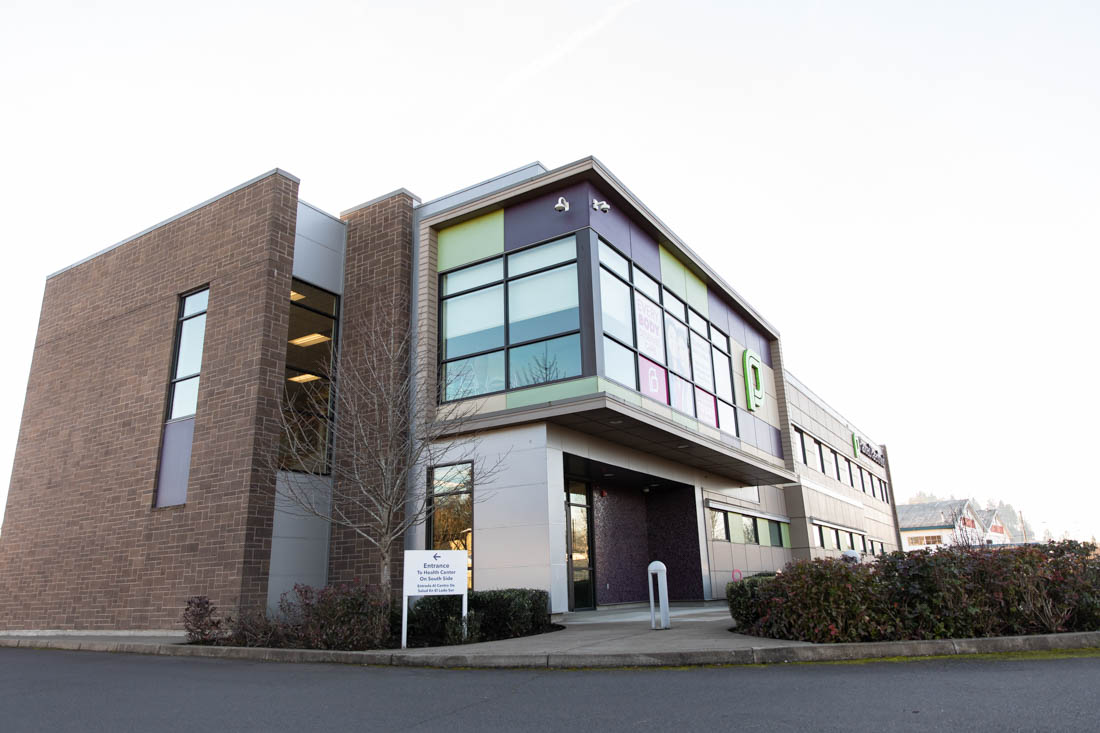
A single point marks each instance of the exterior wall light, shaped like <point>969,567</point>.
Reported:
<point>600,206</point>
<point>562,204</point>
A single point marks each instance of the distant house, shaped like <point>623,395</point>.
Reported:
<point>996,533</point>
<point>936,524</point>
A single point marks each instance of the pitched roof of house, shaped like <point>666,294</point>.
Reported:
<point>930,514</point>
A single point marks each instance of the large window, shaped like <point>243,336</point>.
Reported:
<point>511,322</point>
<point>183,400</point>
<point>657,345</point>
<point>451,515</point>
<point>310,351</point>
<point>746,529</point>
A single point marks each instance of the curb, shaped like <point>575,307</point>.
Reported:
<point>580,660</point>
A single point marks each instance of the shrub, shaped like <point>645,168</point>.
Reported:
<point>492,615</point>
<point>201,621</point>
<point>951,593</point>
<point>350,617</point>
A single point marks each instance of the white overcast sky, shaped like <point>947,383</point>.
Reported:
<point>908,191</point>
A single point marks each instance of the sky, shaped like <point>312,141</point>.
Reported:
<point>907,191</point>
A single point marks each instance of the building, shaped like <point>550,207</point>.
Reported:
<point>935,524</point>
<point>637,406</point>
<point>996,533</point>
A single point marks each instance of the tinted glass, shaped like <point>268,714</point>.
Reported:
<point>192,332</point>
<point>447,479</point>
<point>618,363</point>
<point>680,394</point>
<point>649,322</point>
<point>704,408</point>
<point>543,304</point>
<point>542,256</point>
<point>727,418</point>
<point>675,306</point>
<point>473,376</point>
<point>750,530</point>
<point>311,297</point>
<point>472,277</point>
<point>195,303</point>
<point>615,298</point>
<point>473,322</point>
<point>723,383</point>
<point>453,522</point>
<point>185,397</point>
<point>545,361</point>
<point>310,338</point>
<point>614,260</point>
<point>718,525</point>
<point>679,353</point>
<point>697,322</point>
<point>719,339</point>
<point>700,361</point>
<point>647,285</point>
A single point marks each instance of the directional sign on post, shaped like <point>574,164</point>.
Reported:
<point>432,573</point>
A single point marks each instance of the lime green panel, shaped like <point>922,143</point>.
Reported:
<point>697,294</point>
<point>785,529</point>
<point>626,395</point>
<point>471,240</point>
<point>764,532</point>
<point>737,528</point>
<point>551,392</point>
<point>673,274</point>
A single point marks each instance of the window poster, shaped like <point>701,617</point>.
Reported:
<point>647,318</point>
<point>653,380</point>
<point>679,353</point>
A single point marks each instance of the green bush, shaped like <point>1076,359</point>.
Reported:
<point>347,617</point>
<point>492,615</point>
<point>951,593</point>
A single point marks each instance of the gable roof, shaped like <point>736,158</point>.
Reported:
<point>931,514</point>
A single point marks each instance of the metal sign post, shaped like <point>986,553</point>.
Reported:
<point>432,573</point>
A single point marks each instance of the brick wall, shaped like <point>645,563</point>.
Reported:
<point>375,306</point>
<point>82,546</point>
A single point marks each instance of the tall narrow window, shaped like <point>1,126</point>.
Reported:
<point>451,519</point>
<point>183,398</point>
<point>310,350</point>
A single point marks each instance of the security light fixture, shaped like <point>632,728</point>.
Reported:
<point>598,205</point>
<point>303,378</point>
<point>310,339</point>
<point>562,205</point>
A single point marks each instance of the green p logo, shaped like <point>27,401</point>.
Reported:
<point>754,380</point>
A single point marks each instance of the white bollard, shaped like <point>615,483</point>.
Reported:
<point>658,568</point>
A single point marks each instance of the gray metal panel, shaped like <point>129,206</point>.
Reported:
<point>319,249</point>
<point>478,190</point>
<point>299,542</point>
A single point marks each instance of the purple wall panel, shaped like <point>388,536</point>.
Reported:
<point>746,426</point>
<point>674,540</point>
<point>614,226</point>
<point>621,544</point>
<point>719,311</point>
<point>645,252</point>
<point>737,329</point>
<point>535,220</point>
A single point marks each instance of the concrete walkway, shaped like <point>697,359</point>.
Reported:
<point>613,638</point>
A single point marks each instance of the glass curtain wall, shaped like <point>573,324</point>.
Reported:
<point>655,344</point>
<point>510,322</point>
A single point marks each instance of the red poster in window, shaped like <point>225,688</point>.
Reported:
<point>653,380</point>
<point>704,406</point>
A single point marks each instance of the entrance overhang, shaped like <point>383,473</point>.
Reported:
<point>603,416</point>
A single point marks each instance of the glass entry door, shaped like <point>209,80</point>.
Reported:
<point>578,511</point>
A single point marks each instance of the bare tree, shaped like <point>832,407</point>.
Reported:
<point>356,444</point>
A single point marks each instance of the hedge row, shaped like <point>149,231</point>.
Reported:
<point>356,618</point>
<point>948,594</point>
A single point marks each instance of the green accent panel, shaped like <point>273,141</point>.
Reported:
<point>785,530</point>
<point>686,421</point>
<point>764,532</point>
<point>673,274</point>
<point>626,395</point>
<point>855,445</point>
<point>551,392</point>
<point>737,529</point>
<point>471,240</point>
<point>697,294</point>
<point>754,380</point>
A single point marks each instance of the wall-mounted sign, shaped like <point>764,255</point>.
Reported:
<point>868,450</point>
<point>754,380</point>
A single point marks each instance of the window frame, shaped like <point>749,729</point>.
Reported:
<point>429,524</point>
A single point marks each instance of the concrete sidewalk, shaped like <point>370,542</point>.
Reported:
<point>593,639</point>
